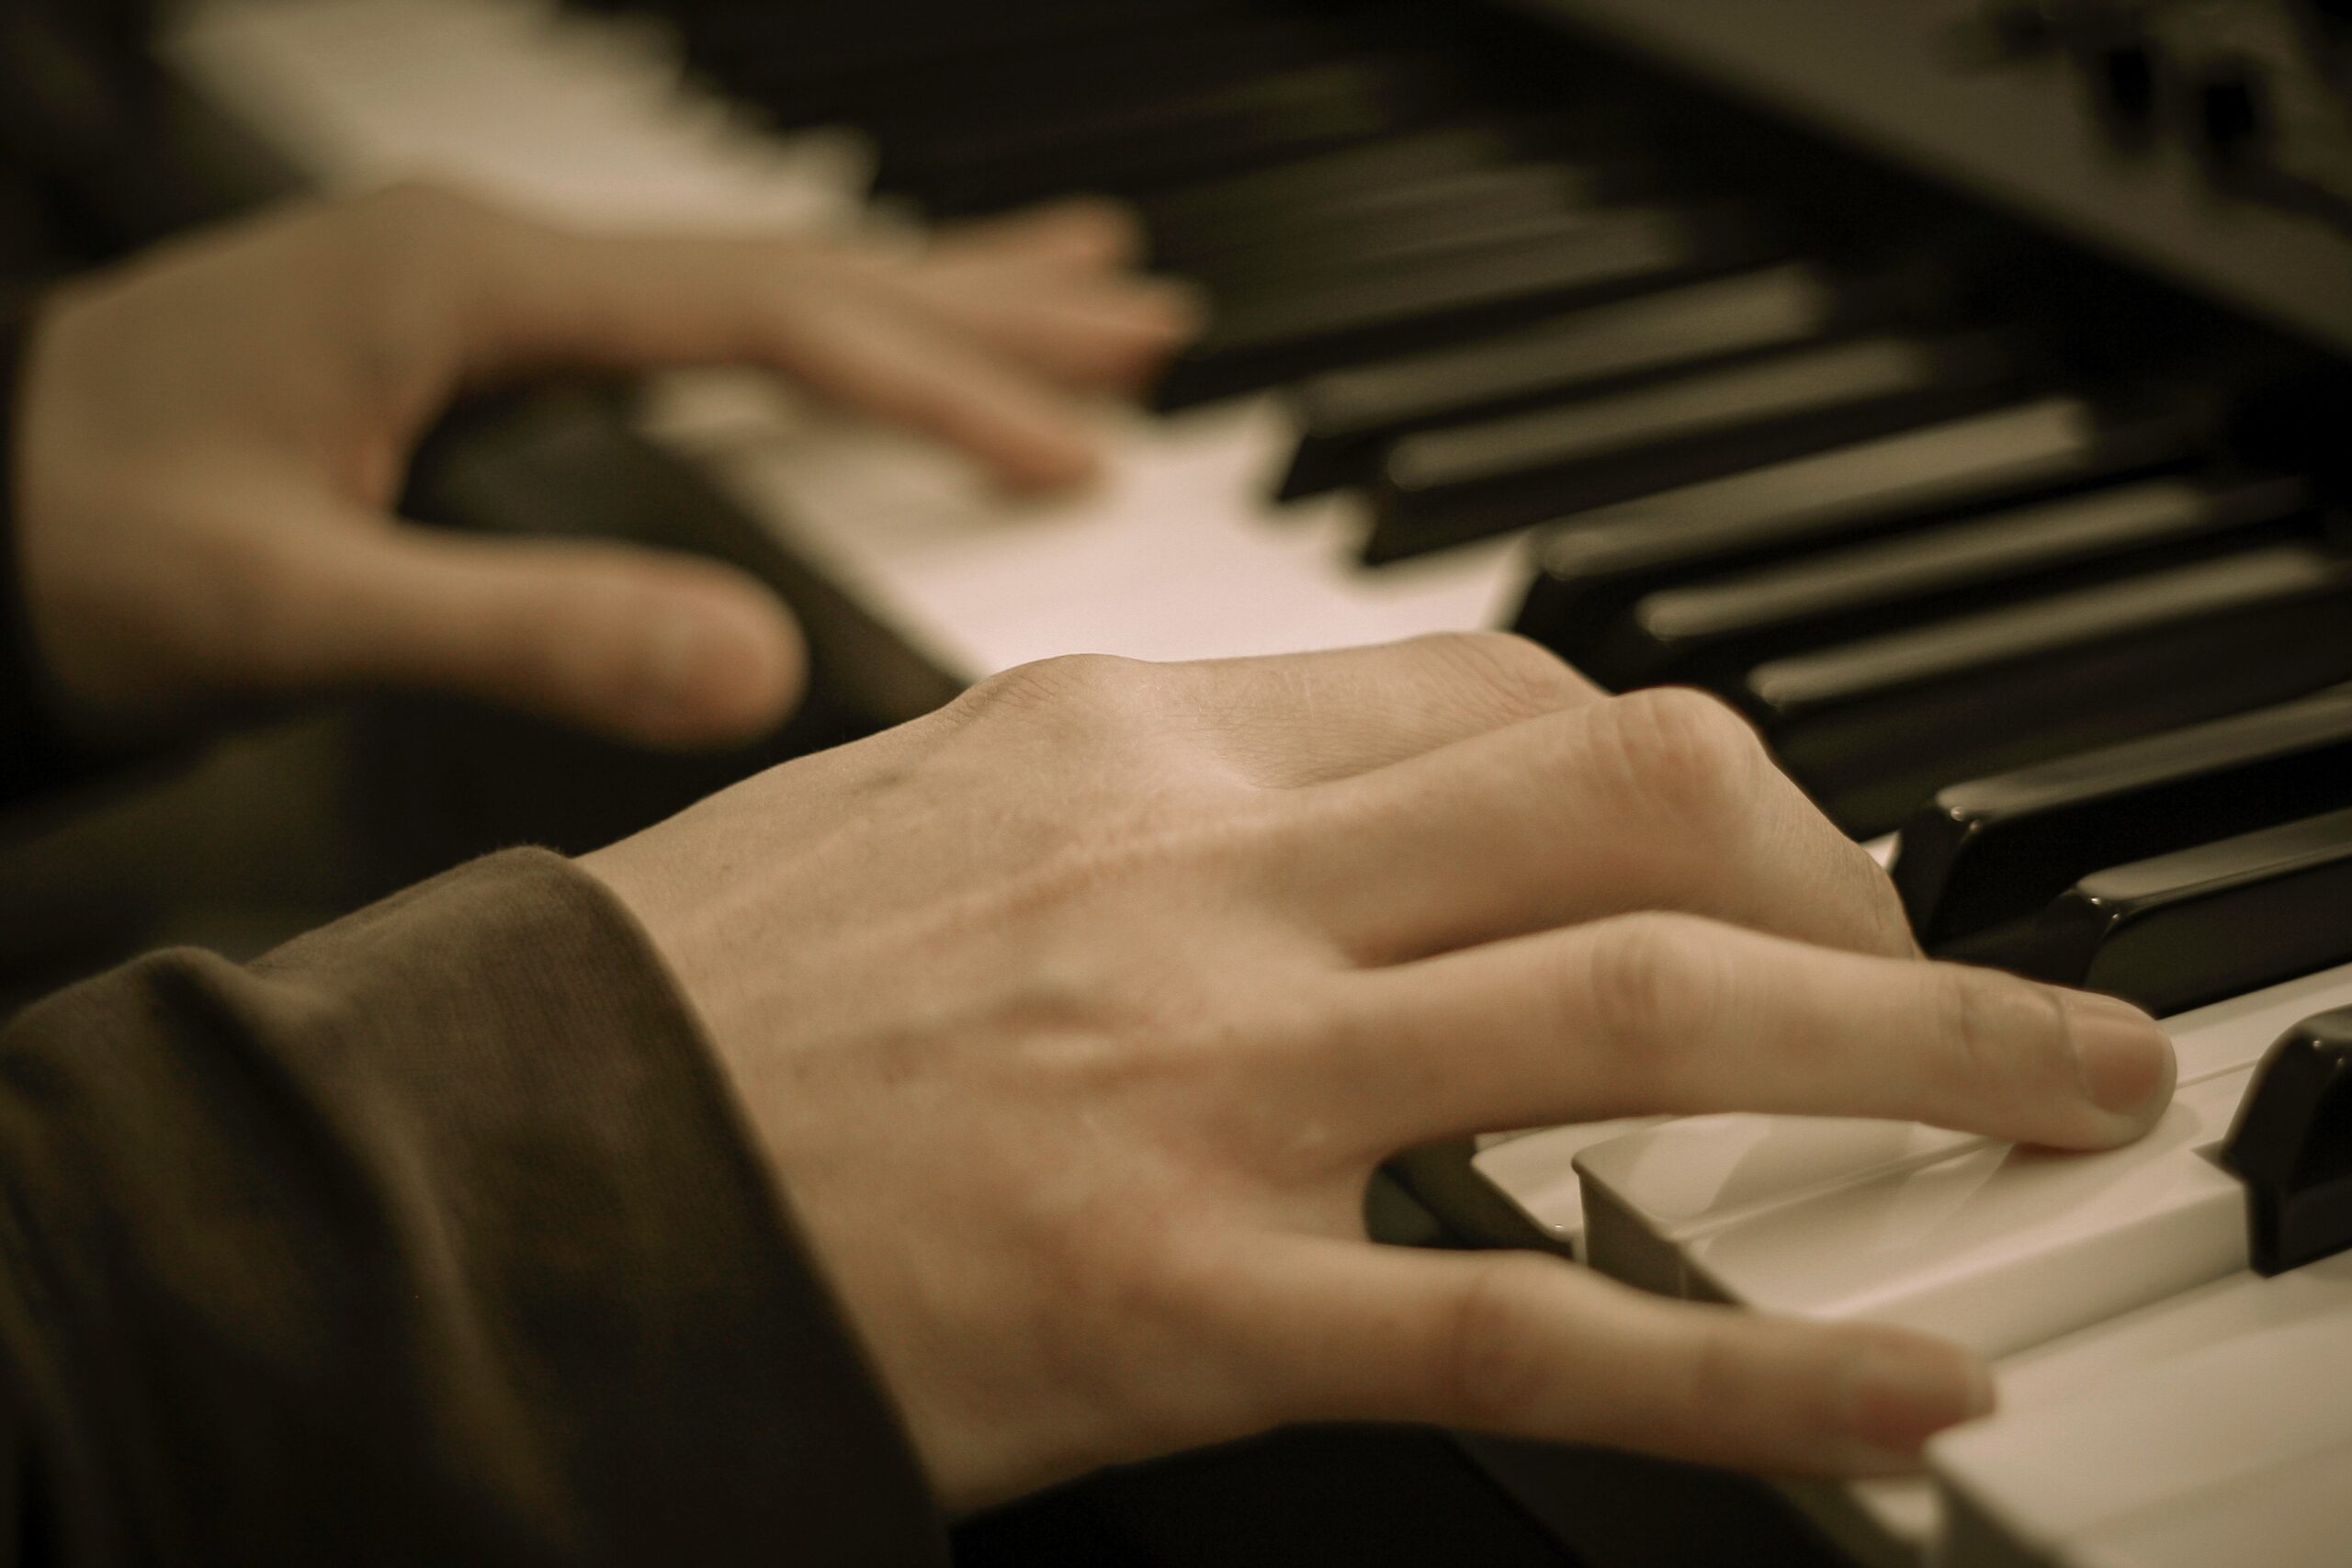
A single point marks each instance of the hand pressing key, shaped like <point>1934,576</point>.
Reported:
<point>212,437</point>
<point>1074,1018</point>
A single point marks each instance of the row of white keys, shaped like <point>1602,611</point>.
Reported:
<point>1178,554</point>
<point>2212,1428</point>
<point>2000,1248</point>
<point>1997,1246</point>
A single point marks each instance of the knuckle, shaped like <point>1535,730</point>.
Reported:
<point>1651,983</point>
<point>1084,685</point>
<point>1513,674</point>
<point>1882,907</point>
<point>1495,1368</point>
<point>2007,1040</point>
<point>1686,755</point>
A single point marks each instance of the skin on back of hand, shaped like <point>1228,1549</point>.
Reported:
<point>1075,1017</point>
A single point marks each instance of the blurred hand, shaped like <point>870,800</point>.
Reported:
<point>1076,1016</point>
<point>211,438</point>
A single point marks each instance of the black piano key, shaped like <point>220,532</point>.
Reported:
<point>1593,567</point>
<point>2292,1144</point>
<point>1991,851</point>
<point>800,51</point>
<point>1445,487</point>
<point>1167,139</point>
<point>2182,929</point>
<point>1189,218</point>
<point>1479,210</point>
<point>1700,632</point>
<point>1873,729</point>
<point>930,85</point>
<point>1257,344</point>
<point>1345,415</point>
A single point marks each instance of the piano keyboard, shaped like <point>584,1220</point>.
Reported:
<point>1510,332</point>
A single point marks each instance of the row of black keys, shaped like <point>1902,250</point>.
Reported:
<point>1903,553</point>
<point>1340,219</point>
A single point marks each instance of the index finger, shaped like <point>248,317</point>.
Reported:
<point>1291,720</point>
<point>1650,1013</point>
<point>513,294</point>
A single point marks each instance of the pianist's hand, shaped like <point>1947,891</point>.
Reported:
<point>211,437</point>
<point>1075,1017</point>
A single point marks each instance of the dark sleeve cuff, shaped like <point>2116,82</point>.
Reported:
<point>34,754</point>
<point>434,1236</point>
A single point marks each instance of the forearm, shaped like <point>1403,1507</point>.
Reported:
<point>435,1232</point>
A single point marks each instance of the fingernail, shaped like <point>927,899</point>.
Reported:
<point>2126,1060</point>
<point>1901,1392</point>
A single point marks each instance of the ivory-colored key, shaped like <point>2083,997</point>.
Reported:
<point>1651,1198</point>
<point>2212,1428</point>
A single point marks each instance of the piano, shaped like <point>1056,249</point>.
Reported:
<point>1957,387</point>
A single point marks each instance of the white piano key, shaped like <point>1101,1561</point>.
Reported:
<point>1536,1171</point>
<point>2222,1418</point>
<point>1652,1197</point>
<point>1177,555</point>
<point>1996,1247</point>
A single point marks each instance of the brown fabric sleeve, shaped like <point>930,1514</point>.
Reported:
<point>432,1238</point>
<point>33,752</point>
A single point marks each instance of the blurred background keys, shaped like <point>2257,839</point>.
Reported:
<point>1705,633</point>
<point>1873,729</point>
<point>1345,416</point>
<point>1252,344</point>
<point>1591,569</point>
<point>1451,485</point>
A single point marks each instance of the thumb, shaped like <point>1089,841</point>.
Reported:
<point>663,649</point>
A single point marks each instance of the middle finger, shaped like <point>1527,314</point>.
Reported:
<point>1661,800</point>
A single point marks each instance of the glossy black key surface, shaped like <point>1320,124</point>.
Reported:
<point>2181,930</point>
<point>1202,218</point>
<point>919,86</point>
<point>1466,483</point>
<point>1991,851</point>
<point>2292,1144</point>
<point>1137,146</point>
<point>1590,570</point>
<point>1873,729</point>
<point>1706,632</point>
<point>1459,212</point>
<point>1257,344</point>
<point>1345,415</point>
<point>1384,245</point>
<point>790,61</point>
